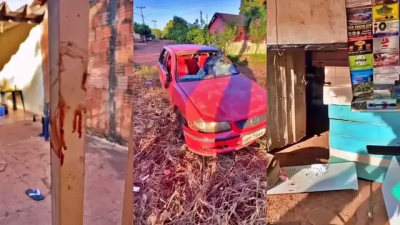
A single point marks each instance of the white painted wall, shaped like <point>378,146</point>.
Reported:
<point>25,71</point>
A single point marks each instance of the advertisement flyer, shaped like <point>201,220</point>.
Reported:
<point>359,16</point>
<point>386,44</point>
<point>359,32</point>
<point>386,28</point>
<point>361,62</point>
<point>358,3</point>
<point>360,47</point>
<point>378,2</point>
<point>386,59</point>
<point>374,59</point>
<point>385,12</point>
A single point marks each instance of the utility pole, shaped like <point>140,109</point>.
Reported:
<point>154,21</point>
<point>141,11</point>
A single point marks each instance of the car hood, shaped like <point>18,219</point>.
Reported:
<point>230,98</point>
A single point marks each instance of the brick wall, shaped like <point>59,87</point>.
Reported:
<point>109,93</point>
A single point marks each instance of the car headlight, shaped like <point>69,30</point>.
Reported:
<point>211,127</point>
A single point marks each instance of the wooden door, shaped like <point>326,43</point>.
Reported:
<point>286,88</point>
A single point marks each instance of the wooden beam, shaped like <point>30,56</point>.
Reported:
<point>68,35</point>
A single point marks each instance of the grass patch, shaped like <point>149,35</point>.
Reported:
<point>148,73</point>
<point>249,60</point>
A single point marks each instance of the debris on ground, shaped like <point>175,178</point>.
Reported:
<point>231,189</point>
<point>314,178</point>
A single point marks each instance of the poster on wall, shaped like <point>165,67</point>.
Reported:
<point>373,49</point>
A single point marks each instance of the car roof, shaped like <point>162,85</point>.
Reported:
<point>188,48</point>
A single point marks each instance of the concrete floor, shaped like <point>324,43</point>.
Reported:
<point>28,166</point>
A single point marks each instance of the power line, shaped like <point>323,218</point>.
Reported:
<point>141,12</point>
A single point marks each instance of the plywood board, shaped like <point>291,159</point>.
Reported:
<point>318,177</point>
<point>306,22</point>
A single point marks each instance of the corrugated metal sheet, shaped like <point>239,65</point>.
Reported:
<point>286,97</point>
<point>27,13</point>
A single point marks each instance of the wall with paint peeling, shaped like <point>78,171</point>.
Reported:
<point>109,92</point>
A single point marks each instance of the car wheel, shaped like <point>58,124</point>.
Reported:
<point>273,171</point>
<point>181,122</point>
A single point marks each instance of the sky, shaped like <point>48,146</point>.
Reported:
<point>15,4</point>
<point>163,10</point>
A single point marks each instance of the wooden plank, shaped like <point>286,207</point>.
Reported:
<point>286,97</point>
<point>68,65</point>
<point>294,22</point>
<point>344,113</point>
<point>299,106</point>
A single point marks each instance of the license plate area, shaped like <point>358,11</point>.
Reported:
<point>252,136</point>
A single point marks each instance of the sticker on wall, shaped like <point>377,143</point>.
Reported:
<point>386,44</point>
<point>360,47</point>
<point>359,16</point>
<point>357,3</point>
<point>385,12</point>
<point>386,28</point>
<point>377,2</point>
<point>361,62</point>
<point>386,59</point>
<point>359,32</point>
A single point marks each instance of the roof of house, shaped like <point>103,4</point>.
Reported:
<point>27,13</point>
<point>229,18</point>
<point>189,48</point>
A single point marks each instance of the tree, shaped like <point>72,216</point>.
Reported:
<point>258,28</point>
<point>157,33</point>
<point>223,38</point>
<point>178,31</point>
<point>252,10</point>
<point>168,27</point>
<point>142,29</point>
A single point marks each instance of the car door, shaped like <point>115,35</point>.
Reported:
<point>162,67</point>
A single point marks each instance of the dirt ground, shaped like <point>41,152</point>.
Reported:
<point>339,207</point>
<point>148,53</point>
<point>28,166</point>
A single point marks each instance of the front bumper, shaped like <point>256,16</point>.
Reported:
<point>213,144</point>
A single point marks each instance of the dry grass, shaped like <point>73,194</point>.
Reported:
<point>176,187</point>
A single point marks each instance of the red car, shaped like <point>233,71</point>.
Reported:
<point>219,110</point>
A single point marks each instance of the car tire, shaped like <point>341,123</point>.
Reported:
<point>273,171</point>
<point>180,123</point>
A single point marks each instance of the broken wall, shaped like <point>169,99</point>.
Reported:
<point>109,97</point>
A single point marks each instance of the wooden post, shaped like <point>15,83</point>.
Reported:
<point>68,55</point>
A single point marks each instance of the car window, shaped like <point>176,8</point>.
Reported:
<point>163,57</point>
<point>168,62</point>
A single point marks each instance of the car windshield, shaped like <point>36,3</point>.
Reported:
<point>214,66</point>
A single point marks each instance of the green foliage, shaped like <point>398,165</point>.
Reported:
<point>157,33</point>
<point>252,10</point>
<point>142,29</point>
<point>223,38</point>
<point>177,30</point>
<point>258,27</point>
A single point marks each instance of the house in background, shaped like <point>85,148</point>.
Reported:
<point>219,21</point>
